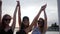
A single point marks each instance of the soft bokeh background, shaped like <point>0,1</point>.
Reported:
<point>30,8</point>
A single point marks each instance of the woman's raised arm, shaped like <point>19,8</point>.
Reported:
<point>35,20</point>
<point>14,19</point>
<point>45,22</point>
<point>19,14</point>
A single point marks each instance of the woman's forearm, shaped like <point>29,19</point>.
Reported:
<point>14,19</point>
<point>45,16</point>
<point>19,16</point>
<point>45,24</point>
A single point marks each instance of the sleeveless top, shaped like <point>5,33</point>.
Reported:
<point>8,32</point>
<point>36,31</point>
<point>21,32</point>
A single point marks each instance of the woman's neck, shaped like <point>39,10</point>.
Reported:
<point>7,28</point>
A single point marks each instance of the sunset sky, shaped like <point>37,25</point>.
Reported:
<point>30,8</point>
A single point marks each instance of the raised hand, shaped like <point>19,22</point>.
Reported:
<point>43,7</point>
<point>18,3</point>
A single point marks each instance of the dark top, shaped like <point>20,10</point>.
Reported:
<point>21,32</point>
<point>4,32</point>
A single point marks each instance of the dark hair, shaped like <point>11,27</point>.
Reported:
<point>42,23</point>
<point>22,25</point>
<point>25,17</point>
<point>3,23</point>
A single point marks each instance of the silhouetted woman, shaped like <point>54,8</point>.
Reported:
<point>42,25</point>
<point>25,28</point>
<point>5,28</point>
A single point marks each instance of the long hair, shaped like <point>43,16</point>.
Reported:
<point>42,24</point>
<point>3,23</point>
<point>22,24</point>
